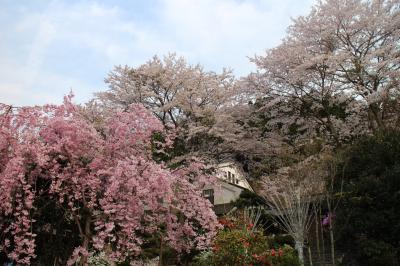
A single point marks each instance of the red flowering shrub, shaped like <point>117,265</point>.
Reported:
<point>239,244</point>
<point>238,247</point>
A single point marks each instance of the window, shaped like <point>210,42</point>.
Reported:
<point>237,181</point>
<point>231,178</point>
<point>209,194</point>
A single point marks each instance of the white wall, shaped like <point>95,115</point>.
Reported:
<point>233,169</point>
<point>225,192</point>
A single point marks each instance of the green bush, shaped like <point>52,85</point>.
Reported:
<point>237,247</point>
<point>280,240</point>
<point>203,259</point>
<point>288,258</point>
<point>239,244</point>
<point>367,221</point>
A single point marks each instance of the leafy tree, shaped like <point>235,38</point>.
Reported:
<point>248,198</point>
<point>368,218</point>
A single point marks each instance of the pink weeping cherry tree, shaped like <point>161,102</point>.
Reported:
<point>105,182</point>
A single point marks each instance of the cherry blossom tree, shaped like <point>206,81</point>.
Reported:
<point>105,182</point>
<point>204,109</point>
<point>336,74</point>
<point>173,90</point>
<point>189,101</point>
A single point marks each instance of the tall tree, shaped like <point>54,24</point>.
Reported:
<point>192,102</point>
<point>336,74</point>
<point>290,195</point>
<point>367,220</point>
<point>173,90</point>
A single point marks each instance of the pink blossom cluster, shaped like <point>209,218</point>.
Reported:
<point>105,179</point>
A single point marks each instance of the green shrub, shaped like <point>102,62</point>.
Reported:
<point>280,240</point>
<point>237,247</point>
<point>239,244</point>
<point>287,258</point>
<point>367,220</point>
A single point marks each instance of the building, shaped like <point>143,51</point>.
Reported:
<point>232,181</point>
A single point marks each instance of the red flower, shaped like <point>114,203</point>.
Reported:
<point>226,223</point>
<point>250,226</point>
<point>280,252</point>
<point>215,247</point>
<point>272,252</point>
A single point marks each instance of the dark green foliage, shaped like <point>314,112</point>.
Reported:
<point>235,247</point>
<point>204,142</point>
<point>289,259</point>
<point>280,240</point>
<point>368,219</point>
<point>57,233</point>
<point>165,154</point>
<point>248,199</point>
<point>294,129</point>
<point>237,244</point>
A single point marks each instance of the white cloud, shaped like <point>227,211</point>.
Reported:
<point>225,32</point>
<point>86,26</point>
<point>47,51</point>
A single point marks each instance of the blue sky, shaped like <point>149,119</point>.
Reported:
<point>48,48</point>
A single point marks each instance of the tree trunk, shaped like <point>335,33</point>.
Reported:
<point>332,244</point>
<point>322,236</point>
<point>310,256</point>
<point>85,243</point>
<point>299,245</point>
<point>331,232</point>
<point>55,261</point>
<point>108,251</point>
<point>160,257</point>
<point>375,116</point>
<point>317,234</point>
